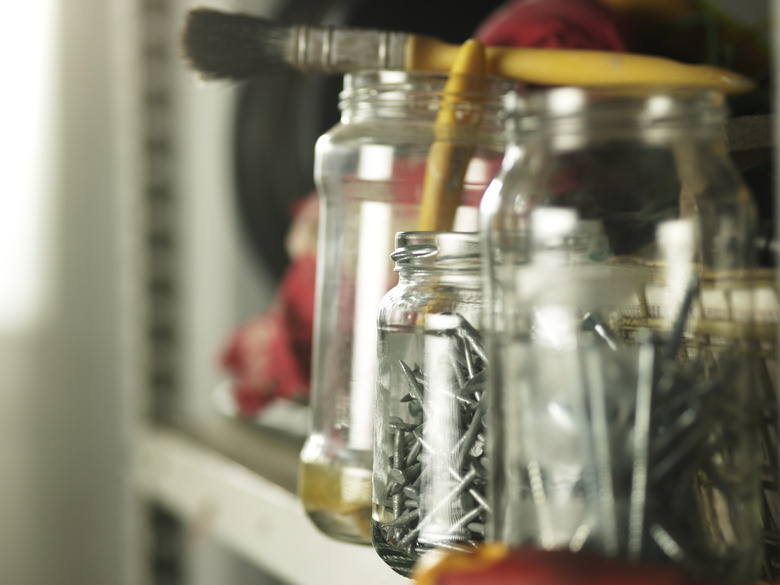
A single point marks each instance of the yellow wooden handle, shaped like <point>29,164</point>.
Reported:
<point>447,161</point>
<point>578,67</point>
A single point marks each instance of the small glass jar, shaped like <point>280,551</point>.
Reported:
<point>622,332</point>
<point>429,431</point>
<point>370,171</point>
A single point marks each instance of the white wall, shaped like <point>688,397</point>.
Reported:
<point>62,459</point>
<point>67,512</point>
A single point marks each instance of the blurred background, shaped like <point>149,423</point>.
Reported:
<point>142,220</point>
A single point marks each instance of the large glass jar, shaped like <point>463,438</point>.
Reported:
<point>429,434</point>
<point>370,171</point>
<point>623,332</point>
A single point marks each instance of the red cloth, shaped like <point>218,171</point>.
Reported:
<point>270,356</point>
<point>524,566</point>
<point>562,24</point>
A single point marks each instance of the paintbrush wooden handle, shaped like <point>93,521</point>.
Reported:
<point>577,67</point>
<point>448,161</point>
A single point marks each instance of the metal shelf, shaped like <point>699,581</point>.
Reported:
<point>256,517</point>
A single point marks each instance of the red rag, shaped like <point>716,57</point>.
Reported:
<point>562,24</point>
<point>528,566</point>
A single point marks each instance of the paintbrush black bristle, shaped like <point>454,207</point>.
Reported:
<point>221,45</point>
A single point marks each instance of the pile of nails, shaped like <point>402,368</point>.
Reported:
<point>694,428</point>
<point>675,456</point>
<point>411,513</point>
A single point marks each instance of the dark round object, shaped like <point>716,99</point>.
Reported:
<point>279,118</point>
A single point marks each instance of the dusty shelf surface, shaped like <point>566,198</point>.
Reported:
<point>237,484</point>
<point>270,453</point>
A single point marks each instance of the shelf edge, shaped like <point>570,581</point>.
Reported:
<point>250,515</point>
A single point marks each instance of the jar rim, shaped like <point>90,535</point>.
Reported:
<point>429,248</point>
<point>382,84</point>
<point>641,103</point>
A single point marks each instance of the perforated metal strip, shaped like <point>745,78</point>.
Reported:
<point>160,260</point>
<point>161,237</point>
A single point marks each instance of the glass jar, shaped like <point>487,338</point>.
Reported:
<point>370,171</point>
<point>623,333</point>
<point>429,433</point>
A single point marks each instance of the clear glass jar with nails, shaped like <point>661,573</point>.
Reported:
<point>430,468</point>
<point>370,171</point>
<point>627,333</point>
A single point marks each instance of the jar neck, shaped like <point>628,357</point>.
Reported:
<point>437,256</point>
<point>417,97</point>
<point>465,277</point>
<point>567,118</point>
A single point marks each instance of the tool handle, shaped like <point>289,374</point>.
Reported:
<point>578,67</point>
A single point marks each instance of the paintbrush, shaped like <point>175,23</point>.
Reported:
<point>237,46</point>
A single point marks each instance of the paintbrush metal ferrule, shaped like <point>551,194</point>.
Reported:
<point>337,50</point>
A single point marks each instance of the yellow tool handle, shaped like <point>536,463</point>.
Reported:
<point>577,67</point>
<point>447,162</point>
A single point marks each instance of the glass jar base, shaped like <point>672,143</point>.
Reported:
<point>401,562</point>
<point>337,499</point>
<point>349,527</point>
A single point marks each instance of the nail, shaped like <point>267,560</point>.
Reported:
<point>593,322</point>
<point>465,520</point>
<point>411,493</point>
<point>397,423</point>
<point>412,472</point>
<point>405,519</point>
<point>398,444</point>
<point>410,537</point>
<point>397,475</point>
<point>414,452</point>
<point>474,338</point>
<point>476,384</point>
<point>458,371</point>
<point>697,391</point>
<point>675,435</point>
<point>638,496</point>
<point>415,388</point>
<point>450,495</point>
<point>673,344</point>
<point>426,446</point>
<point>469,361</point>
<point>395,488</point>
<point>470,436</point>
<point>666,543</point>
